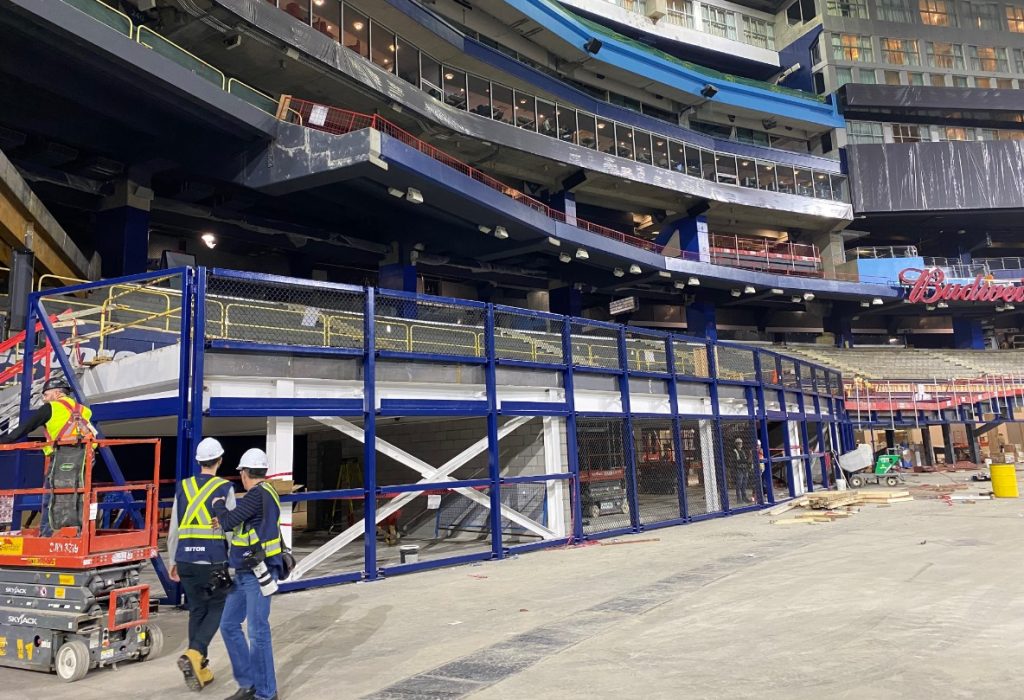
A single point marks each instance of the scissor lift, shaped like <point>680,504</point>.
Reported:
<point>73,601</point>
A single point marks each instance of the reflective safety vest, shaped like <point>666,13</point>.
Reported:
<point>243,537</point>
<point>68,420</point>
<point>196,522</point>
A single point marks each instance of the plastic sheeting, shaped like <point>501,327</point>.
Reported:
<point>392,88</point>
<point>922,103</point>
<point>897,177</point>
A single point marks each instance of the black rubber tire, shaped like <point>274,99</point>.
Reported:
<point>72,661</point>
<point>155,637</point>
<point>891,481</point>
<point>856,482</point>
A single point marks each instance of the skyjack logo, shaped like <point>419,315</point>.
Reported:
<point>22,619</point>
<point>15,590</point>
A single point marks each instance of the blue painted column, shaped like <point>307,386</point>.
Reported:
<point>122,230</point>
<point>690,234</point>
<point>700,320</point>
<point>967,334</point>
<point>397,276</point>
<point>567,301</point>
<point>565,202</point>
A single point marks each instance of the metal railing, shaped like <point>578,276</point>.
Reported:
<point>882,252</point>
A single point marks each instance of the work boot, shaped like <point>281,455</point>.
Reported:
<point>191,665</point>
<point>205,674</point>
<point>243,694</point>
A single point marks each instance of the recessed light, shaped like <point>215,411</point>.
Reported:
<point>209,239</point>
<point>358,26</point>
<point>483,229</point>
<point>554,241</point>
<point>693,281</point>
<point>749,289</point>
<point>395,192</point>
<point>618,272</point>
<point>565,257</point>
<point>877,301</point>
<point>582,254</point>
<point>777,292</point>
<point>735,292</point>
<point>634,269</point>
<point>808,296</point>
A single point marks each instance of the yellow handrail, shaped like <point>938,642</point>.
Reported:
<point>138,38</point>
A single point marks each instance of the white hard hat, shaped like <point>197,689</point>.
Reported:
<point>254,458</point>
<point>208,450</point>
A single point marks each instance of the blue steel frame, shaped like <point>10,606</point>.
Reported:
<point>189,408</point>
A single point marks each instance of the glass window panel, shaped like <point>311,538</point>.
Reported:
<point>299,9</point>
<point>642,139</point>
<point>1015,19</point>
<point>707,164</point>
<point>660,151</point>
<point>900,52</point>
<point>455,87</point>
<point>915,78</point>
<point>866,76</point>
<point>719,22</point>
<point>726,167</point>
<point>838,187</point>
<point>430,76</point>
<point>547,122</point>
<point>980,82</point>
<point>857,9</point>
<point>480,96</point>
<point>892,77</point>
<point>822,187</point>
<point>588,130</point>
<point>864,132</point>
<point>526,111</point>
<point>501,103</point>
<point>937,13</point>
<point>677,157</point>
<point>327,18</point>
<point>843,76</point>
<point>943,55</point>
<point>357,32</point>
<point>766,176</point>
<point>804,182</point>
<point>606,137</point>
<point>938,80</point>
<point>960,81</point>
<point>567,127</point>
<point>746,172</point>
<point>981,15</point>
<point>693,166</point>
<point>909,133</point>
<point>624,140</point>
<point>1004,83</point>
<point>787,182</point>
<point>895,11</point>
<point>852,47</point>
<point>408,59</point>
<point>382,47</point>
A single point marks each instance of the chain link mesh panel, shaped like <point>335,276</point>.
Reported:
<point>646,353</point>
<point>736,364</point>
<point>429,326</point>
<point>701,458</point>
<point>657,475</point>
<point>602,461</point>
<point>279,313</point>
<point>519,336</point>
<point>594,346</point>
<point>691,358</point>
<point>742,467</point>
<point>787,373</point>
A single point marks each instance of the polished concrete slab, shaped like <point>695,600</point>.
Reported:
<point>914,600</point>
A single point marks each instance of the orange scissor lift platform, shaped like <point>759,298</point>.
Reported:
<point>72,600</point>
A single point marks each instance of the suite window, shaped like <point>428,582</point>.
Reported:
<point>526,111</point>
<point>756,138</point>
<point>1015,19</point>
<point>382,47</point>
<point>766,176</point>
<point>980,82</point>
<point>707,164</point>
<point>938,80</point>
<point>719,130</point>
<point>941,55</point>
<point>864,132</point>
<point>867,77</point>
<point>895,11</point>
<point>851,47</point>
<point>843,76</point>
<point>937,13</point>
<point>356,35</point>
<point>746,172</point>
<point>660,151</point>
<point>786,179</point>
<point>719,22</point>
<point>726,167</point>
<point>677,158</point>
<point>909,133</point>
<point>547,121</point>
<point>900,52</point>
<point>567,126</point>
<point>757,32</point>
<point>981,15</point>
<point>956,133</point>
<point>501,103</point>
<point>680,12</point>
<point>847,8</point>
<point>693,166</point>
<point>624,138</point>
<point>605,137</point>
<point>408,60</point>
<point>801,11</point>
<point>986,58</point>
<point>822,188</point>
<point>480,96</point>
<point>892,77</point>
<point>642,141</point>
<point>588,130</point>
<point>960,81</point>
<point>915,78</point>
<point>455,88</point>
<point>299,9</point>
<point>838,187</point>
<point>327,18</point>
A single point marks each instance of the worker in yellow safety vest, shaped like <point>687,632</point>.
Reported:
<point>60,417</point>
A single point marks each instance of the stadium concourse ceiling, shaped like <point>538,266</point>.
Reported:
<point>948,233</point>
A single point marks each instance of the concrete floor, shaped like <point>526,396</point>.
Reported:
<point>914,600</point>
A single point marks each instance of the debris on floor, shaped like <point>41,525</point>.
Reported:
<point>829,506</point>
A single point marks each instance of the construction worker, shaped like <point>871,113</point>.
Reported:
<point>62,418</point>
<point>255,555</point>
<point>199,558</point>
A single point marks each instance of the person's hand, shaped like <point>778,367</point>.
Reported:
<point>214,522</point>
<point>174,573</point>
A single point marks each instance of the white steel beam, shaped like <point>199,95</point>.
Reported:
<point>352,533</point>
<point>281,451</point>
<point>555,488</point>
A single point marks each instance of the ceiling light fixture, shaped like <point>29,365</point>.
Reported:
<point>414,196</point>
<point>679,284</point>
<point>565,257</point>
<point>795,299</point>
<point>693,281</point>
<point>500,232</point>
<point>582,254</point>
<point>395,192</point>
<point>865,304</point>
<point>209,239</point>
<point>877,301</point>
<point>554,241</point>
<point>618,272</point>
<point>777,292</point>
<point>735,292</point>
<point>808,296</point>
<point>749,289</point>
<point>635,269</point>
<point>483,229</point>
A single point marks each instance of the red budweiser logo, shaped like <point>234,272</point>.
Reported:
<point>930,286</point>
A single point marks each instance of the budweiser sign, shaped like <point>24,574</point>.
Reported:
<point>930,286</point>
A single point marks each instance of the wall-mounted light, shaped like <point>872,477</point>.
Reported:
<point>942,305</point>
<point>500,232</point>
<point>795,299</point>
<point>679,284</point>
<point>877,301</point>
<point>634,269</point>
<point>808,296</point>
<point>777,292</point>
<point>618,272</point>
<point>708,91</point>
<point>565,257</point>
<point>209,239</point>
<point>554,241</point>
<point>582,254</point>
<point>395,192</point>
<point>483,229</point>
<point>865,304</point>
<point>735,292</point>
<point>749,289</point>
<point>414,196</point>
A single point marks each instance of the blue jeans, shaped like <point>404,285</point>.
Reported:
<point>252,661</point>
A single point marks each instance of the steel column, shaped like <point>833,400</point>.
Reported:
<point>370,435</point>
<point>493,453</point>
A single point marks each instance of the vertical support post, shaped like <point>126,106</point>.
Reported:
<point>758,485</point>
<point>716,418</point>
<point>677,437</point>
<point>186,350</point>
<point>370,436</point>
<point>554,489</point>
<point>571,445</point>
<point>195,402</point>
<point>281,451</point>
<point>493,453</point>
<point>762,426</point>
<point>628,444</point>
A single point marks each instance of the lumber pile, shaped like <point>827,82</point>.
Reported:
<point>829,506</point>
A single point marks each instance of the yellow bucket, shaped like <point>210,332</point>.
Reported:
<point>1004,481</point>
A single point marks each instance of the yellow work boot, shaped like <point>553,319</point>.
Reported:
<point>191,665</point>
<point>205,674</point>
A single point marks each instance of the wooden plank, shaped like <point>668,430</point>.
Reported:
<point>778,510</point>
